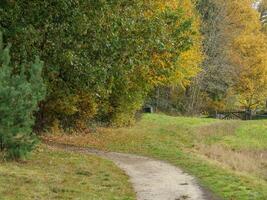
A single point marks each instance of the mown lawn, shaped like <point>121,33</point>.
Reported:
<point>51,174</point>
<point>228,157</point>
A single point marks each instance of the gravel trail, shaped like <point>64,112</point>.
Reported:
<point>151,179</point>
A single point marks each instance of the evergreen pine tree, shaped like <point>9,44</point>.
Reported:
<point>19,97</point>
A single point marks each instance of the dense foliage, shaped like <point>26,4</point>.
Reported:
<point>234,69</point>
<point>102,57</point>
<point>168,97</point>
<point>248,54</point>
<point>20,93</point>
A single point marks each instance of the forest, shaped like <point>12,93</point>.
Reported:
<point>86,67</point>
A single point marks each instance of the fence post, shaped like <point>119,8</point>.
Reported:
<point>248,114</point>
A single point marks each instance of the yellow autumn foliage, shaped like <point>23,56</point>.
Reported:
<point>191,59</point>
<point>247,52</point>
<point>188,63</point>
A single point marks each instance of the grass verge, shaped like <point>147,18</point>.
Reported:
<point>53,174</point>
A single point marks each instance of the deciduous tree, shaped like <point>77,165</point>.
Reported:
<point>247,53</point>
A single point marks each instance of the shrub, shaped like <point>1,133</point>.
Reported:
<point>19,96</point>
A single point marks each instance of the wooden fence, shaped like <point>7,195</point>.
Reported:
<point>242,115</point>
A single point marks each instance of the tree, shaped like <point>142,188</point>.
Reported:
<point>234,70</point>
<point>210,87</point>
<point>167,97</point>
<point>248,53</point>
<point>263,11</point>
<point>19,97</point>
<point>102,57</point>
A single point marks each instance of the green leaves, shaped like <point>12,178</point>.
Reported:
<point>104,50</point>
<point>19,98</point>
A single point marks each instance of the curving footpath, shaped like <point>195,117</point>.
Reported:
<point>151,179</point>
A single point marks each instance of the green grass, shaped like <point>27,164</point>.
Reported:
<point>249,135</point>
<point>228,157</point>
<point>51,174</point>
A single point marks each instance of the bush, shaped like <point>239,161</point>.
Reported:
<point>19,96</point>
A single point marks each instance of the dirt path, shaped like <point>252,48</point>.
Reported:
<point>152,179</point>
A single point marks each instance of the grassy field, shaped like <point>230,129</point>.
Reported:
<point>228,157</point>
<point>51,174</point>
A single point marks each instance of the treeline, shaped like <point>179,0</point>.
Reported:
<point>102,57</point>
<point>234,72</point>
<point>103,60</point>
<point>235,75</point>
